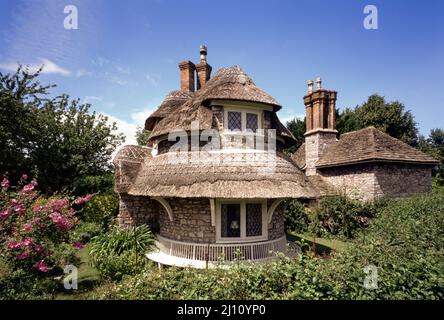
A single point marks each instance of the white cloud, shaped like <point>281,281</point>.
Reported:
<point>116,80</point>
<point>284,117</point>
<point>122,69</point>
<point>151,79</point>
<point>128,129</point>
<point>89,99</point>
<point>124,127</point>
<point>139,117</point>
<point>49,67</point>
<point>83,73</point>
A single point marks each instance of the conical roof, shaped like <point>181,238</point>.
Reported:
<point>227,84</point>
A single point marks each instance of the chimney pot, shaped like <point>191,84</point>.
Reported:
<point>203,53</point>
<point>318,83</point>
<point>203,68</point>
<point>310,86</point>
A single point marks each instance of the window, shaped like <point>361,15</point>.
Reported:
<point>241,221</point>
<point>230,221</point>
<point>252,122</point>
<point>234,120</point>
<point>242,120</point>
<point>254,219</point>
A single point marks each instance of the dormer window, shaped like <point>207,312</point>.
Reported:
<point>242,120</point>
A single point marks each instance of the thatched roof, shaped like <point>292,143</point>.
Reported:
<point>227,84</point>
<point>232,175</point>
<point>127,163</point>
<point>299,156</point>
<point>370,144</point>
<point>170,104</point>
<point>234,84</point>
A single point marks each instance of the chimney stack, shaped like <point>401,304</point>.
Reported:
<point>320,107</point>
<point>187,69</point>
<point>203,68</point>
<point>320,132</point>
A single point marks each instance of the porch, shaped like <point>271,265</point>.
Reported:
<point>200,255</point>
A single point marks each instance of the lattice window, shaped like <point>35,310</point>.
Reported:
<point>252,123</point>
<point>234,120</point>
<point>254,219</point>
<point>231,223</point>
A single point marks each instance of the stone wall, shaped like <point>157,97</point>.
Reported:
<point>191,218</point>
<point>402,180</point>
<point>135,210</point>
<point>355,181</point>
<point>276,227</point>
<point>191,221</point>
<point>315,144</point>
<point>371,181</point>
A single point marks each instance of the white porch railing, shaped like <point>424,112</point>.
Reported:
<point>213,252</point>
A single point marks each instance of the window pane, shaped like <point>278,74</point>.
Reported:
<point>234,120</point>
<point>230,220</point>
<point>254,219</point>
<point>252,122</point>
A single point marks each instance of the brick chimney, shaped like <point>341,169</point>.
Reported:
<point>203,68</point>
<point>187,69</point>
<point>320,130</point>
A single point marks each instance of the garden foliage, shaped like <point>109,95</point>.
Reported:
<point>405,242</point>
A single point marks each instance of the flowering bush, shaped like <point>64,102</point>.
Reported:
<point>33,229</point>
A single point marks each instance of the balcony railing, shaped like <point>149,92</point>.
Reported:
<point>213,252</point>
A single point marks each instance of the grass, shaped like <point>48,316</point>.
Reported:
<point>321,246</point>
<point>88,279</point>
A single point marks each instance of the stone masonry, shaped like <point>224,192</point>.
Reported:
<point>371,181</point>
<point>191,218</point>
<point>191,221</point>
<point>315,144</point>
<point>276,228</point>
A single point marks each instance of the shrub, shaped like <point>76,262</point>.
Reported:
<point>295,217</point>
<point>35,232</point>
<point>102,209</point>
<point>85,231</point>
<point>94,184</point>
<point>405,241</point>
<point>341,216</point>
<point>111,252</point>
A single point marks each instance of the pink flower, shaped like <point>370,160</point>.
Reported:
<point>78,245</point>
<point>38,248</point>
<point>28,242</point>
<point>28,188</point>
<point>12,245</point>
<point>24,255</point>
<point>61,221</point>
<point>19,208</point>
<point>4,214</point>
<point>59,204</point>
<point>24,176</point>
<point>41,266</point>
<point>5,183</point>
<point>14,202</point>
<point>34,182</point>
<point>27,227</point>
<point>84,199</point>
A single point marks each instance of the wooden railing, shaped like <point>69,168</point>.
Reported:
<point>213,252</point>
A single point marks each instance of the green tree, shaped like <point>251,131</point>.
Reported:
<point>297,128</point>
<point>142,136</point>
<point>434,145</point>
<point>57,140</point>
<point>390,117</point>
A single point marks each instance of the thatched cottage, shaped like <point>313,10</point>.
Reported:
<point>212,179</point>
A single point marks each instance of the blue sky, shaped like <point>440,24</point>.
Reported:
<point>123,58</point>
